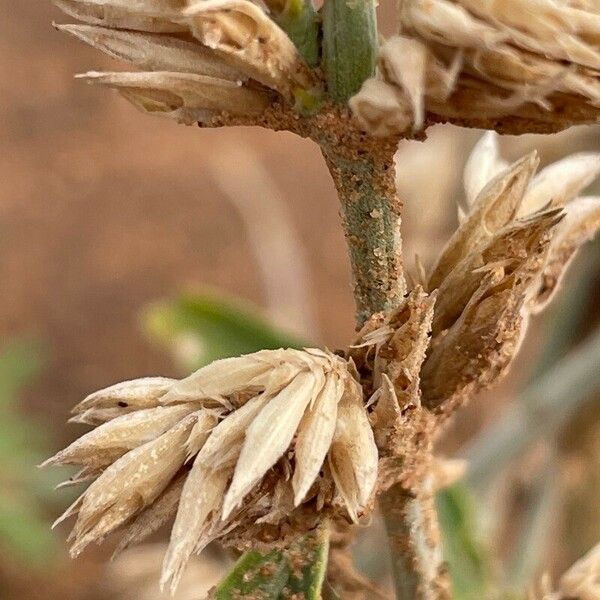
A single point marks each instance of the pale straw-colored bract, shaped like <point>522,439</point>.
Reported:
<point>518,233</point>
<point>194,59</point>
<point>478,62</point>
<point>582,580</point>
<point>242,441</point>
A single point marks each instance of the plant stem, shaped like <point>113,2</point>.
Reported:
<point>301,22</point>
<point>365,181</point>
<point>364,175</point>
<point>417,562</point>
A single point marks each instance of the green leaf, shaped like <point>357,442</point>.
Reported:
<point>24,530</point>
<point>301,22</point>
<point>20,362</point>
<point>307,560</point>
<point>467,559</point>
<point>278,575</point>
<point>202,328</point>
<point>350,44</point>
<point>261,575</point>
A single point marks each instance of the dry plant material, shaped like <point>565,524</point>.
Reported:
<point>389,353</point>
<point>241,443</point>
<point>255,450</point>
<point>518,233</point>
<point>514,65</point>
<point>197,60</point>
<point>582,580</point>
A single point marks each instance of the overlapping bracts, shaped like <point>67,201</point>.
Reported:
<point>518,234</point>
<point>242,441</point>
<point>515,65</point>
<point>195,59</point>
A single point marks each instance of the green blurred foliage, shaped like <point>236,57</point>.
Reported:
<point>202,328</point>
<point>467,558</point>
<point>24,529</point>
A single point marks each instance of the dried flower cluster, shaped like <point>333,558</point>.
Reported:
<point>518,234</point>
<point>197,59</point>
<point>243,443</point>
<point>518,65</point>
<point>258,448</point>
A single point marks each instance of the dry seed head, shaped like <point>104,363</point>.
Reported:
<point>196,59</point>
<point>268,439</point>
<point>557,185</point>
<point>518,233</point>
<point>490,65</point>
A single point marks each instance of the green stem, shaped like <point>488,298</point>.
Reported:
<point>411,524</point>
<point>365,181</point>
<point>364,175</point>
<point>349,46</point>
<point>301,22</point>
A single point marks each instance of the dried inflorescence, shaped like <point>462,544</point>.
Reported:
<point>515,65</point>
<point>259,448</point>
<point>272,440</point>
<point>197,59</point>
<point>518,234</point>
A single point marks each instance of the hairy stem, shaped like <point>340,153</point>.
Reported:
<point>365,181</point>
<point>411,523</point>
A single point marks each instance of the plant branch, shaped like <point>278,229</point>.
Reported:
<point>365,181</point>
<point>364,175</point>
<point>417,562</point>
<point>363,172</point>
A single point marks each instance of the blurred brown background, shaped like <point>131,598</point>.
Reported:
<point>104,210</point>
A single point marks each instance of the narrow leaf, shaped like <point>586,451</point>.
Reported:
<point>297,572</point>
<point>202,328</point>
<point>349,46</point>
